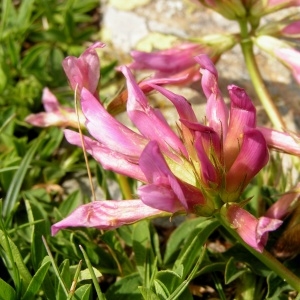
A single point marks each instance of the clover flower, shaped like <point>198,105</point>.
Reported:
<point>195,170</point>
<point>55,114</point>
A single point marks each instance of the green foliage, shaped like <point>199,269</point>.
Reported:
<point>139,261</point>
<point>34,39</point>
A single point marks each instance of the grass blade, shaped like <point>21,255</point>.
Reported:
<point>15,186</point>
<point>94,278</point>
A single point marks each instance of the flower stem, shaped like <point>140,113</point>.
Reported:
<point>124,186</point>
<point>266,258</point>
<point>256,78</point>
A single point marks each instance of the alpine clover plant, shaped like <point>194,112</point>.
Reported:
<point>201,168</point>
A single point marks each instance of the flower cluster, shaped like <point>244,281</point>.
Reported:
<point>202,168</point>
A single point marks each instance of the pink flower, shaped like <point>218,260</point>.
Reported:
<point>285,204</point>
<point>281,141</point>
<point>107,215</point>
<point>282,51</point>
<point>168,63</point>
<point>253,231</point>
<point>291,58</point>
<point>292,29</point>
<point>186,172</point>
<point>178,62</point>
<point>85,70</point>
<point>55,114</point>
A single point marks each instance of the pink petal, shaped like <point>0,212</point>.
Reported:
<point>265,225</point>
<point>158,173</point>
<point>292,29</point>
<point>254,232</point>
<point>216,109</point>
<point>160,197</point>
<point>242,116</point>
<point>50,101</point>
<point>46,119</point>
<point>252,157</point>
<point>107,130</point>
<point>147,120</point>
<point>291,58</point>
<point>110,160</point>
<point>108,214</point>
<point>284,205</point>
<point>85,70</point>
<point>154,165</point>
<point>167,61</point>
<point>210,139</point>
<point>182,106</point>
<point>281,141</point>
<point>207,169</point>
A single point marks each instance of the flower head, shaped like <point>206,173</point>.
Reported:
<point>196,169</point>
<point>253,231</point>
<point>84,71</point>
<point>55,114</point>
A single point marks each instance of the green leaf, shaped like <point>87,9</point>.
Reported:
<point>24,14</point>
<point>232,272</point>
<point>177,238</point>
<point>6,117</point>
<point>70,203</point>
<point>276,286</point>
<point>37,280</point>
<point>192,247</point>
<point>49,288</point>
<point>125,232</point>
<point>51,142</point>
<point>66,278</point>
<point>15,186</point>
<point>110,238</point>
<point>33,54</point>
<point>83,292</point>
<point>212,267</point>
<point>93,275</point>
<point>182,290</point>
<point>86,274</point>
<point>142,248</point>
<point>37,231</point>
<point>7,292</point>
<point>148,294</point>
<point>165,282</point>
<point>161,289</point>
<point>242,254</point>
<point>126,288</point>
<point>15,260</point>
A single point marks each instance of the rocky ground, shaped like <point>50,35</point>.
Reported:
<point>157,24</point>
